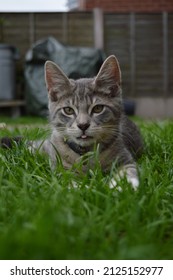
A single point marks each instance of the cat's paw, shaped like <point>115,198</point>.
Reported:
<point>76,185</point>
<point>114,184</point>
<point>2,125</point>
<point>133,181</point>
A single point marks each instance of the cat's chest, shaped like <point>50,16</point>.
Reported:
<point>60,147</point>
<point>69,156</point>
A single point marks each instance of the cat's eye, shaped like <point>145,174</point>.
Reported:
<point>97,109</point>
<point>68,111</point>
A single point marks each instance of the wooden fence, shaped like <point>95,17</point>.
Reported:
<point>143,43</point>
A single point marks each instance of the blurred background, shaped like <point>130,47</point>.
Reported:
<point>139,33</point>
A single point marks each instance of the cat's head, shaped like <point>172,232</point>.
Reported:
<point>85,111</point>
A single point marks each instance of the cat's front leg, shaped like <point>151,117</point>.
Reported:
<point>130,172</point>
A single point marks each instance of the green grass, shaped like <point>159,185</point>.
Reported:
<point>42,217</point>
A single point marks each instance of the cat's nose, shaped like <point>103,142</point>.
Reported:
<point>83,126</point>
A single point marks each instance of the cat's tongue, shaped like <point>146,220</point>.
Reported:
<point>83,136</point>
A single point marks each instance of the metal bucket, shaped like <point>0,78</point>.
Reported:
<point>8,57</point>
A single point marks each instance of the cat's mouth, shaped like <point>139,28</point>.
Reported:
<point>84,137</point>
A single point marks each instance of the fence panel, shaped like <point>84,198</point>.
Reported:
<point>15,30</point>
<point>143,43</point>
<point>117,42</point>
<point>50,24</point>
<point>80,29</point>
<point>170,54</point>
<point>149,55</point>
<point>138,40</point>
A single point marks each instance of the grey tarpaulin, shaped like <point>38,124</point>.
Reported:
<point>76,62</point>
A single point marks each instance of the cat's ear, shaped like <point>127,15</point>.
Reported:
<point>56,81</point>
<point>109,76</point>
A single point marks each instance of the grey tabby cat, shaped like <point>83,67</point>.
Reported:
<point>87,112</point>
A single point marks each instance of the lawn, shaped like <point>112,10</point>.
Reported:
<point>43,217</point>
